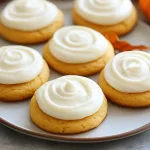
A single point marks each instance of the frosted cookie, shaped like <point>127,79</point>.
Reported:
<point>78,50</point>
<point>119,16</point>
<point>126,79</point>
<point>68,105</point>
<point>22,72</point>
<point>30,21</point>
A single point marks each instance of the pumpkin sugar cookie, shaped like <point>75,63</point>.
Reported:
<point>68,105</point>
<point>77,50</point>
<point>118,16</point>
<point>126,79</point>
<point>22,72</point>
<point>30,21</point>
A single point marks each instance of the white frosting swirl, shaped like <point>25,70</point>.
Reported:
<point>28,15</point>
<point>104,12</point>
<point>70,98</point>
<point>77,44</point>
<point>129,72</point>
<point>19,64</point>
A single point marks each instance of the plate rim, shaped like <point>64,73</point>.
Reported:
<point>56,137</point>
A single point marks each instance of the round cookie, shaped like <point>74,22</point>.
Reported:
<point>68,110</point>
<point>129,97</point>
<point>12,81</point>
<point>87,68</point>
<point>120,28</point>
<point>28,34</point>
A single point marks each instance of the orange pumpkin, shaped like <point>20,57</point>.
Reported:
<point>145,7</point>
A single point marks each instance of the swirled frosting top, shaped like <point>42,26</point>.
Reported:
<point>70,98</point>
<point>28,15</point>
<point>129,72</point>
<point>77,44</point>
<point>104,12</point>
<point>19,64</point>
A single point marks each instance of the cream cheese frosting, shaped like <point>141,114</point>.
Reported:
<point>104,12</point>
<point>70,97</point>
<point>19,64</point>
<point>77,44</point>
<point>28,15</point>
<point>129,72</point>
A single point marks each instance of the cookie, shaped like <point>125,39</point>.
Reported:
<point>22,72</point>
<point>112,22</point>
<point>124,85</point>
<point>90,114</point>
<point>30,29</point>
<point>78,58</point>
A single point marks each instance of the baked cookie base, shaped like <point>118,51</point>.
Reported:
<point>18,92</point>
<point>120,29</point>
<point>124,99</point>
<point>82,69</point>
<point>32,37</point>
<point>54,125</point>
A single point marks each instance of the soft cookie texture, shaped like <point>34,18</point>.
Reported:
<point>120,29</point>
<point>54,125</point>
<point>18,92</point>
<point>124,99</point>
<point>32,37</point>
<point>78,69</point>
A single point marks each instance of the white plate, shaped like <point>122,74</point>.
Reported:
<point>120,122</point>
